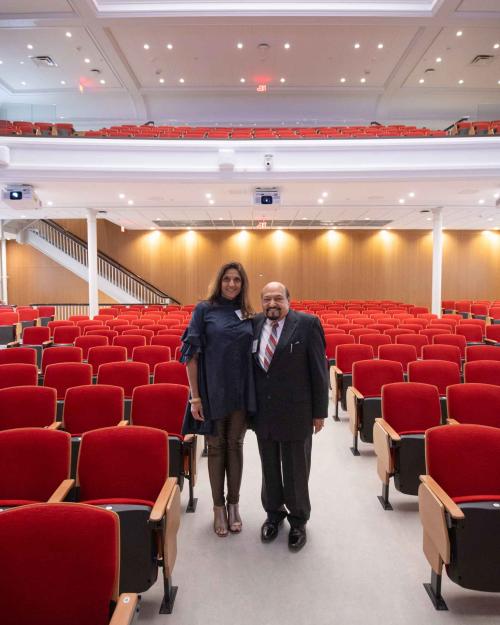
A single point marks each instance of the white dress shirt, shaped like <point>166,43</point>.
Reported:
<point>265,334</point>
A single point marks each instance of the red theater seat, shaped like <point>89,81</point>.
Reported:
<point>483,371</point>
<point>25,355</point>
<point>53,355</point>
<point>404,354</point>
<point>474,403</point>
<point>451,353</point>
<point>107,353</point>
<point>172,372</point>
<point>341,372</point>
<point>18,374</point>
<point>27,406</point>
<point>129,342</point>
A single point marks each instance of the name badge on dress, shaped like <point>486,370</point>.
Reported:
<point>239,314</point>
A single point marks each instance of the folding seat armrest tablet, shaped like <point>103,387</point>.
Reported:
<point>354,399</point>
<point>125,610</point>
<point>61,491</point>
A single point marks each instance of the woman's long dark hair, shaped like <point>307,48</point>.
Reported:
<point>215,288</point>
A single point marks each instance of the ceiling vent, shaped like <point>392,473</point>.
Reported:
<point>482,59</point>
<point>43,61</point>
<point>362,223</point>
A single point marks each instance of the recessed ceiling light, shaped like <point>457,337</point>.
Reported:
<point>480,201</point>
<point>181,80</point>
<point>496,46</point>
<point>30,46</point>
<point>121,196</point>
<point>401,200</point>
<point>220,218</point>
<point>438,59</point>
<point>320,200</point>
<point>461,82</point>
<point>130,202</point>
<point>239,45</point>
<point>304,218</point>
<point>1,62</point>
<point>50,203</point>
<point>324,194</point>
<point>212,202</point>
<point>152,228</point>
<point>23,83</point>
<point>122,228</point>
<point>367,219</point>
<point>23,216</point>
<point>282,79</point>
<point>429,218</point>
<point>63,82</point>
<point>86,60</point>
<point>102,81</point>
<point>342,79</point>
<point>146,46</point>
<point>21,62</point>
<point>421,81</point>
<point>161,80</point>
<point>242,80</point>
<point>496,196</point>
<point>380,46</point>
<point>208,195</point>
<point>459,33</point>
<point>490,219</point>
<point>498,82</point>
<point>362,80</point>
<point>189,228</point>
<point>170,46</point>
<point>68,34</point>
<point>357,46</point>
<point>411,194</point>
<point>286,46</point>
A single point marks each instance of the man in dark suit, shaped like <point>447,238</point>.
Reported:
<point>291,381</point>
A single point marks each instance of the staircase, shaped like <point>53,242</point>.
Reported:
<point>70,251</point>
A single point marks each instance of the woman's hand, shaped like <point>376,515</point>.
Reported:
<point>197,409</point>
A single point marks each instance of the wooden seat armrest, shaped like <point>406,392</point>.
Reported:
<point>160,506</point>
<point>14,344</point>
<point>125,610</point>
<point>490,341</point>
<point>336,370</point>
<point>390,430</point>
<point>356,393</point>
<point>452,422</point>
<point>122,423</point>
<point>47,344</point>
<point>61,491</point>
<point>56,425</point>
<point>448,503</point>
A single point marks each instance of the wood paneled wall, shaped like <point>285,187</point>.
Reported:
<point>313,263</point>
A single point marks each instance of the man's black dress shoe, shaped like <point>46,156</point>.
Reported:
<point>269,530</point>
<point>297,538</point>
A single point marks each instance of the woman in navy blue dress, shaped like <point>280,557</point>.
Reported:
<point>217,349</point>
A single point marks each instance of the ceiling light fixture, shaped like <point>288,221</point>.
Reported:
<point>357,46</point>
<point>380,46</point>
<point>68,34</point>
<point>480,201</point>
<point>421,81</point>
<point>30,46</point>
<point>438,59</point>
<point>459,33</point>
<point>324,194</point>
<point>208,195</point>
<point>401,200</point>
<point>146,46</point>
<point>170,46</point>
<point>161,80</point>
<point>23,83</point>
<point>242,80</point>
<point>50,203</point>
<point>286,46</point>
<point>86,60</point>
<point>496,46</point>
<point>181,80</point>
<point>497,196</point>
<point>63,82</point>
<point>122,228</point>
<point>411,194</point>
<point>363,80</point>
<point>102,81</point>
<point>321,200</point>
<point>461,82</point>
<point>130,202</point>
<point>282,79</point>
<point>342,79</point>
<point>211,202</point>
<point>121,196</point>
<point>239,45</point>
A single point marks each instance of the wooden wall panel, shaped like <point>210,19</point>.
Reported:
<point>313,263</point>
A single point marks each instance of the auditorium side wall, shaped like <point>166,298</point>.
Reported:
<point>315,264</point>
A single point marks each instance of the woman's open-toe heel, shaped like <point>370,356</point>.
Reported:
<point>234,519</point>
<point>220,521</point>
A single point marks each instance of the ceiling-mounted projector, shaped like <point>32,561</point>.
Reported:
<point>266,195</point>
<point>20,196</point>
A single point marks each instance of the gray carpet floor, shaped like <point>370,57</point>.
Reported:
<point>361,564</point>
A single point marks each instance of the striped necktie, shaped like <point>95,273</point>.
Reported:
<point>271,345</point>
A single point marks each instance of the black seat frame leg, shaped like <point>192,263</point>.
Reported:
<point>384,498</point>
<point>434,591</point>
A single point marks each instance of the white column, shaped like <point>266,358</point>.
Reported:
<point>5,296</point>
<point>437,259</point>
<point>92,261</point>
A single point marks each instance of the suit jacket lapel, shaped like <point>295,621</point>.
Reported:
<point>286,335</point>
<point>257,336</point>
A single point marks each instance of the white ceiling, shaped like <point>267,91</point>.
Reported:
<point>322,36</point>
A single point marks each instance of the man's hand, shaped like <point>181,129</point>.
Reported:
<point>318,425</point>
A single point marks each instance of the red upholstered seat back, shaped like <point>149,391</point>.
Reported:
<point>128,375</point>
<point>482,352</point>
<point>474,403</point>
<point>59,564</point>
<point>485,371</point>
<point>147,334</point>
<point>60,354</point>
<point>417,340</point>
<point>92,407</point>
<point>346,355</point>
<point>129,342</point>
<point>86,342</point>
<point>156,327</point>
<point>357,332</point>
<point>66,334</point>
<point>332,340</point>
<point>168,340</point>
<point>35,335</point>
<point>160,406</point>
<point>27,406</point>
<point>493,332</point>
<point>375,340</point>
<point>368,376</point>
<point>172,372</point>
<point>441,373</point>
<point>64,375</point>
<point>8,318</point>
<point>464,459</point>
<point>403,354</point>
<point>395,332</point>
<point>450,353</point>
<point>26,355</point>
<point>107,353</point>
<point>411,406</point>
<point>472,333</point>
<point>126,463</point>
<point>33,462</point>
<point>152,355</point>
<point>46,311</point>
<point>455,340</point>
<point>18,374</point>
<point>52,325</point>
